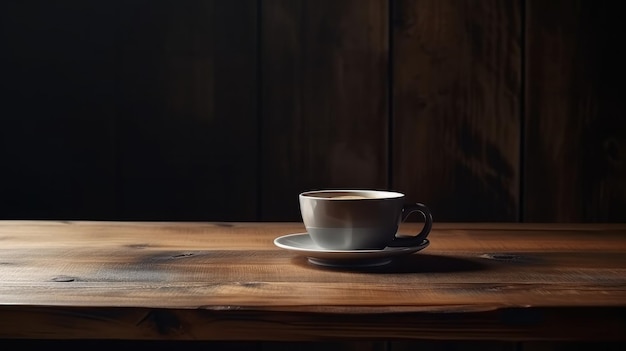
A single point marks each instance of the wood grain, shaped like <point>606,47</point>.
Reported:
<point>324,99</point>
<point>575,140</point>
<point>227,281</point>
<point>456,107</point>
<point>220,110</point>
<point>187,123</point>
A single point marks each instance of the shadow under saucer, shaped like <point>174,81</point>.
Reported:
<point>414,263</point>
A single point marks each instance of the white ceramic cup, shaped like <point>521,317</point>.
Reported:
<point>360,219</point>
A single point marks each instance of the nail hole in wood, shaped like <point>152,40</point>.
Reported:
<point>63,279</point>
<point>501,257</point>
<point>182,255</point>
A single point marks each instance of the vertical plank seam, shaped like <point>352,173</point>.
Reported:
<point>522,128</point>
<point>259,110</point>
<point>390,99</point>
<point>118,212</point>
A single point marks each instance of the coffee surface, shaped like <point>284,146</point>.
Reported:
<point>349,197</point>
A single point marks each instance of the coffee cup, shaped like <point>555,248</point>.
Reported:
<point>360,219</point>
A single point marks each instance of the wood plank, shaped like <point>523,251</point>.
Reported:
<point>559,274</point>
<point>57,69</point>
<point>575,139</point>
<point>571,346</point>
<point>227,281</point>
<point>456,107</point>
<point>324,99</point>
<point>187,99</point>
<point>454,345</point>
<point>325,346</point>
<point>104,345</point>
<point>243,326</point>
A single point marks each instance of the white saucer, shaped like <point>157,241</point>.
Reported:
<point>302,244</point>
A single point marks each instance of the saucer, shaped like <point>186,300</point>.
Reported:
<point>302,244</point>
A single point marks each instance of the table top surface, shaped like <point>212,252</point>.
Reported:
<point>200,280</point>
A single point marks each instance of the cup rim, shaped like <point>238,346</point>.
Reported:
<point>371,194</point>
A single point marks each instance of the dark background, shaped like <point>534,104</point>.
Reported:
<point>491,110</point>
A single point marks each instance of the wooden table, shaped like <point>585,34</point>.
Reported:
<point>228,281</point>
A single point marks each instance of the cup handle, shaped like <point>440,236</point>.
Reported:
<point>419,238</point>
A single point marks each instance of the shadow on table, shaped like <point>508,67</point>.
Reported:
<point>417,263</point>
<point>426,263</point>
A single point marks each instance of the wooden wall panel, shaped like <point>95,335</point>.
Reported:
<point>456,107</point>
<point>129,110</point>
<point>575,140</point>
<point>324,99</point>
<point>187,110</point>
<point>226,110</point>
<point>57,69</point>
